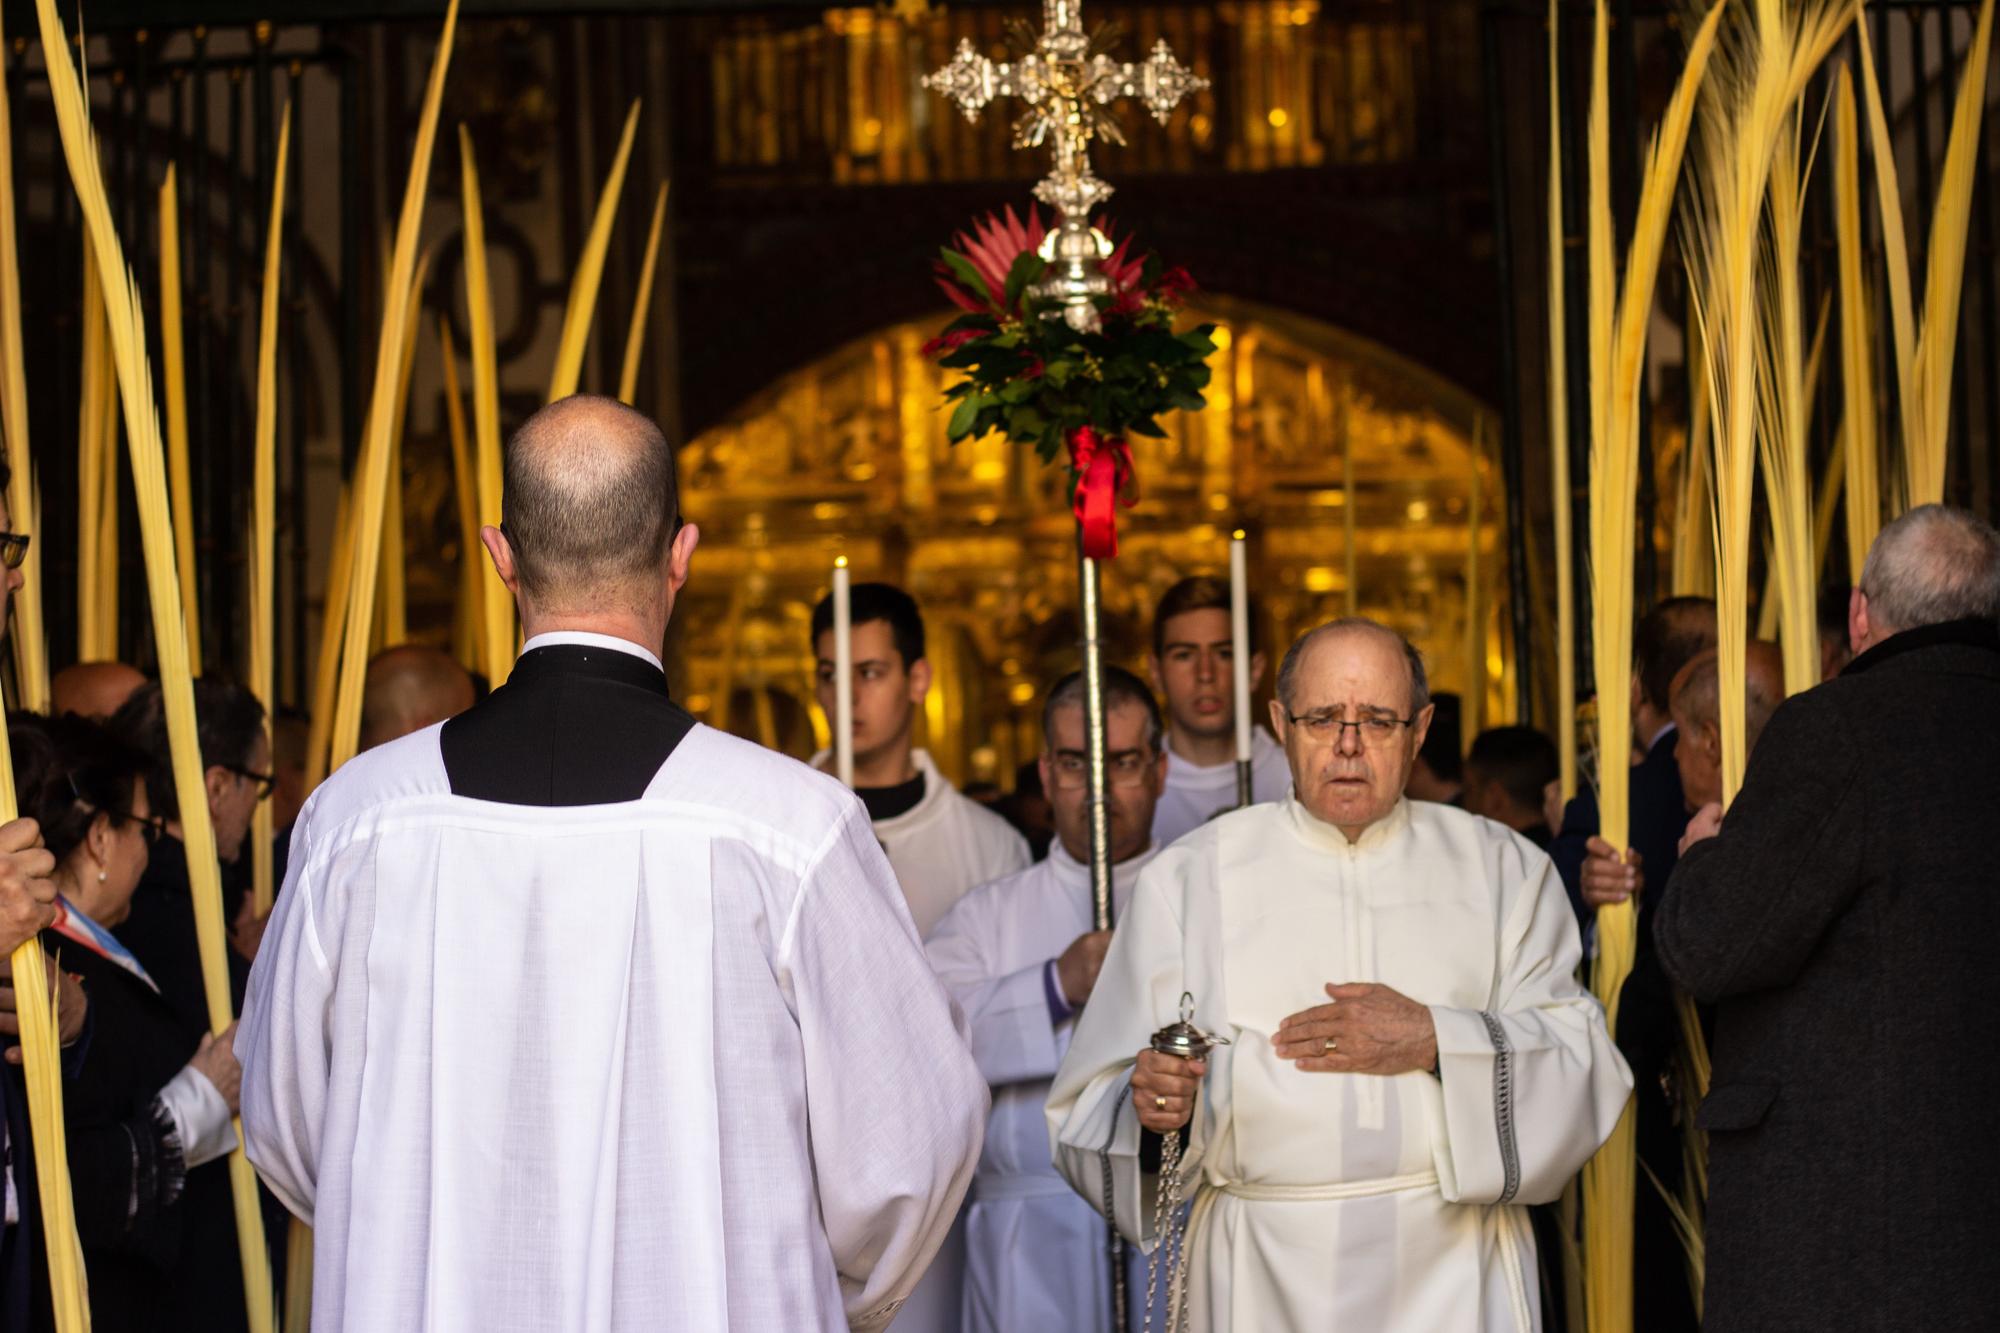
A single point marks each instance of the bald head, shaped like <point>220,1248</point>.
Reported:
<point>1697,704</point>
<point>1932,565</point>
<point>94,690</point>
<point>1348,628</point>
<point>409,688</point>
<point>1351,712</point>
<point>1697,689</point>
<point>589,503</point>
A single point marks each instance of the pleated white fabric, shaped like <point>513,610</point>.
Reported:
<point>676,1063</point>
<point>1036,1253</point>
<point>1333,1201</point>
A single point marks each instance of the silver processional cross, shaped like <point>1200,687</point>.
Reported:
<point>1067,81</point>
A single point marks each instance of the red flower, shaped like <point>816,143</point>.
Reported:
<point>991,249</point>
<point>1123,270</point>
<point>1034,370</point>
<point>947,343</point>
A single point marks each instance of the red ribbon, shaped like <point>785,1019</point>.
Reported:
<point>1102,467</point>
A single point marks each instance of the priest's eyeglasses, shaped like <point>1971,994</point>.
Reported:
<point>13,549</point>
<point>1326,726</point>
<point>1122,768</point>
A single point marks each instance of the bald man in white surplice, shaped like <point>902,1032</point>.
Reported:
<point>1412,1059</point>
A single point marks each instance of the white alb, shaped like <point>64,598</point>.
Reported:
<point>672,1063</point>
<point>1332,1201</point>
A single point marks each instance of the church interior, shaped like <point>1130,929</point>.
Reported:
<point>1357,191</point>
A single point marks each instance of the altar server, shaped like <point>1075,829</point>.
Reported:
<point>577,1015</point>
<point>1020,957</point>
<point>941,841</point>
<point>1192,652</point>
<point>1413,1061</point>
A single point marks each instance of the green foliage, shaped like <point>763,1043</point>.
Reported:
<point>1035,379</point>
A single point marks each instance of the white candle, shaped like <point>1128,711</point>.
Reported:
<point>1239,640</point>
<point>843,676</point>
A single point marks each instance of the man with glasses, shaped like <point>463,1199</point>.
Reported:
<point>1412,1063</point>
<point>1020,957</point>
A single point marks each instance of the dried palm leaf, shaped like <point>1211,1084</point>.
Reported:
<point>590,270</point>
<point>173,370</point>
<point>371,486</point>
<point>635,337</point>
<point>499,633</point>
<point>126,327</point>
<point>31,650</point>
<point>1558,409</point>
<point>263,669</point>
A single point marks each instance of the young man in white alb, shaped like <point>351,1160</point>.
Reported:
<point>1191,668</point>
<point>940,842</point>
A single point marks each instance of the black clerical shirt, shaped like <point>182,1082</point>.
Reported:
<point>577,723</point>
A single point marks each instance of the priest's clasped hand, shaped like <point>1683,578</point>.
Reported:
<point>1366,1029</point>
<point>1163,1090</point>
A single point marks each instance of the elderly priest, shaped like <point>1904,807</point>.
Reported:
<point>1412,1061</point>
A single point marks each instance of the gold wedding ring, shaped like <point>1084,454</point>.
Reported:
<point>1332,1045</point>
<point>1159,1103</point>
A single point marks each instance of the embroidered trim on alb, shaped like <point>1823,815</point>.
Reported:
<point>1503,1106</point>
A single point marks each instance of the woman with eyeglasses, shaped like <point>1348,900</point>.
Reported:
<point>148,1103</point>
<point>206,1288</point>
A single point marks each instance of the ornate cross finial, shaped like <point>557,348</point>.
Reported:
<point>1067,80</point>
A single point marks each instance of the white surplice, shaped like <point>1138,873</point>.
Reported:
<point>1197,793</point>
<point>672,1063</point>
<point>1036,1254</point>
<point>941,848</point>
<point>946,845</point>
<point>1351,1201</point>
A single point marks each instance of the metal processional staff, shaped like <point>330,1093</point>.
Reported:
<point>1067,80</point>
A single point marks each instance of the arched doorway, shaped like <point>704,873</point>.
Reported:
<point>848,456</point>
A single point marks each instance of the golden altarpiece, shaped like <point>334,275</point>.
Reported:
<point>1315,442</point>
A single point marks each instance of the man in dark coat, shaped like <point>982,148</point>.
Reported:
<point>1843,923</point>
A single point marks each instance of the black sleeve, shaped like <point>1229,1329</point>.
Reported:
<point>126,1175</point>
<point>1748,907</point>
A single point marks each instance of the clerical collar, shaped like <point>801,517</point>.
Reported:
<point>888,802</point>
<point>578,638</point>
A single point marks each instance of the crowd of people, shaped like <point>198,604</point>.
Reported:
<point>573,1013</point>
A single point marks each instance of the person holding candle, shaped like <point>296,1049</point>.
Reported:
<point>1191,667</point>
<point>940,842</point>
<point>575,1013</point>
